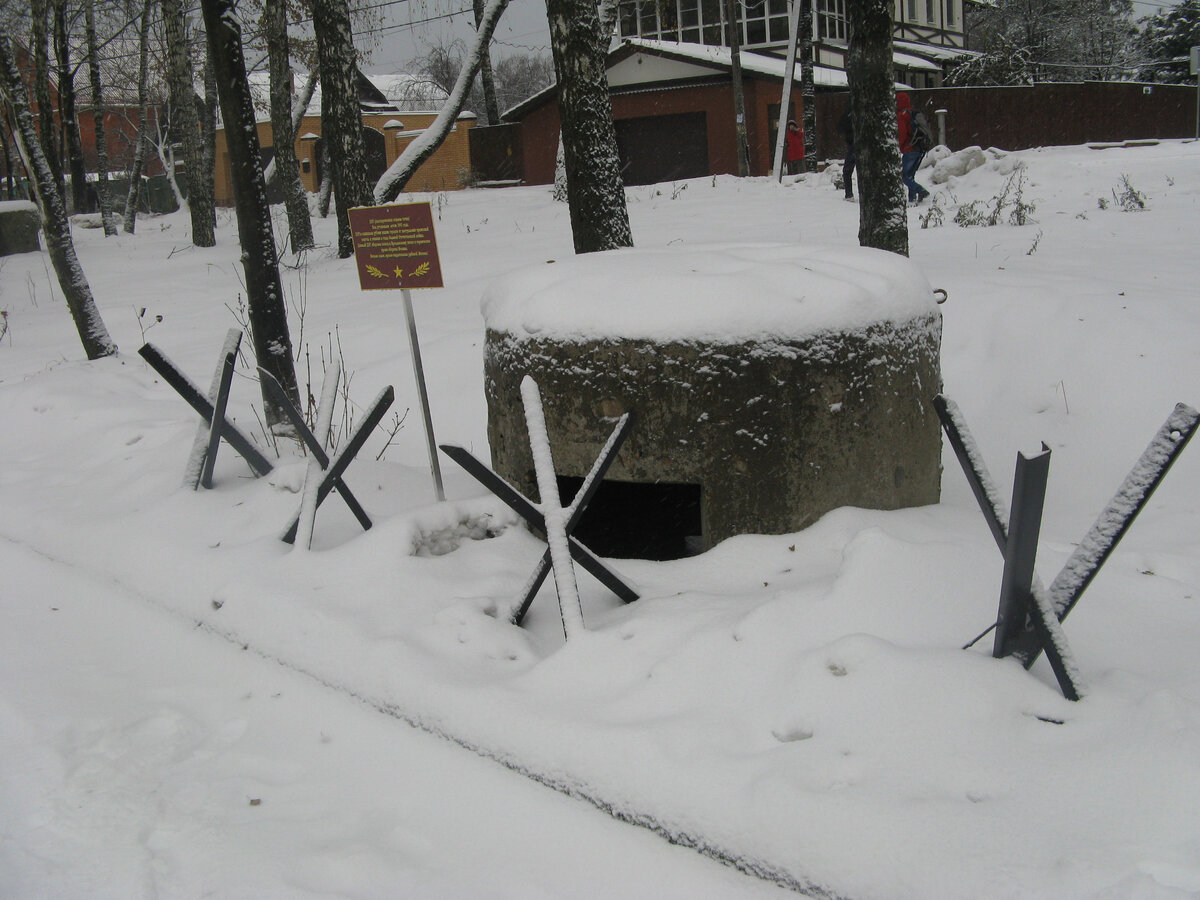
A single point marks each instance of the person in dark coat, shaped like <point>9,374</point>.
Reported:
<point>846,127</point>
<point>910,157</point>
<point>794,148</point>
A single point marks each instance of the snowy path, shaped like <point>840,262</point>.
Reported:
<point>181,766</point>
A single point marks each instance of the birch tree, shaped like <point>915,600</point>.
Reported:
<point>595,194</point>
<point>68,120</point>
<point>185,125</point>
<point>141,139</point>
<point>341,117</point>
<point>98,106</point>
<point>486,75</point>
<point>882,207</point>
<point>39,50</point>
<point>283,134</point>
<point>264,292</point>
<point>808,90</point>
<point>55,226</point>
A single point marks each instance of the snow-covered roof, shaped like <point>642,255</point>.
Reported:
<point>785,292</point>
<point>932,51</point>
<point>409,93</point>
<point>720,58</point>
<point>397,92</point>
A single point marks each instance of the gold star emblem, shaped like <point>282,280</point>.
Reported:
<point>399,273</point>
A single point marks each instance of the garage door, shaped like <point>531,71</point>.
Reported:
<point>663,148</point>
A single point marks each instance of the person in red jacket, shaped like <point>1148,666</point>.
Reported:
<point>910,156</point>
<point>794,148</point>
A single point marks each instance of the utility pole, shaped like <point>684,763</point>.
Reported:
<point>733,26</point>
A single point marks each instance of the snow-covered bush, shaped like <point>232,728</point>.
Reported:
<point>958,164</point>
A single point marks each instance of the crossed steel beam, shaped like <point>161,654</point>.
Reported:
<point>212,410</point>
<point>532,515</point>
<point>1030,615</point>
<point>333,468</point>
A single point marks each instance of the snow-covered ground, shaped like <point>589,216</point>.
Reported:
<point>189,707</point>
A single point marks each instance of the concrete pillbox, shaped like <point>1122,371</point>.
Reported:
<point>770,384</point>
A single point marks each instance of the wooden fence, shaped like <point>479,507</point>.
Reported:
<point>1040,115</point>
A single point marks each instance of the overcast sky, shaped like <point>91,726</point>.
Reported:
<point>411,26</point>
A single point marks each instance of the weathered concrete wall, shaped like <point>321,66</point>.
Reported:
<point>775,434</point>
<point>20,224</point>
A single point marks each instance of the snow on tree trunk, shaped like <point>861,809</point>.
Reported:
<point>102,192</point>
<point>56,228</point>
<point>396,177</point>
<point>596,196</point>
<point>185,127</point>
<point>264,293</point>
<point>139,153</point>
<point>283,134</point>
<point>560,173</point>
<point>341,118</point>
<point>166,155</point>
<point>883,215</point>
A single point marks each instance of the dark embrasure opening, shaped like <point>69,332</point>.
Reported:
<point>627,520</point>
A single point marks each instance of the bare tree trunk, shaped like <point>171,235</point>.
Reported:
<point>184,124</point>
<point>341,117</point>
<point>166,155</point>
<point>596,196</point>
<point>81,200</point>
<point>299,107</point>
<point>40,50</point>
<point>393,180</point>
<point>606,11</point>
<point>325,194</point>
<point>733,31</point>
<point>286,166</point>
<point>139,152</point>
<point>808,91</point>
<point>883,214</point>
<point>267,311</point>
<point>106,207</point>
<point>9,180</point>
<point>486,74</point>
<point>206,109</point>
<point>55,226</point>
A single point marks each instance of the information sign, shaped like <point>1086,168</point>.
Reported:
<point>395,247</point>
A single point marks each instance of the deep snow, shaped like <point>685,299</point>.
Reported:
<point>797,702</point>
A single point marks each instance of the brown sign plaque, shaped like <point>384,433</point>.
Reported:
<point>395,247</point>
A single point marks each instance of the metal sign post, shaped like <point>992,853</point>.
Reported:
<point>419,374</point>
<point>395,248</point>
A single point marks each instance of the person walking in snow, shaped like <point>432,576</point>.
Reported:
<point>846,127</point>
<point>794,148</point>
<point>911,151</point>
